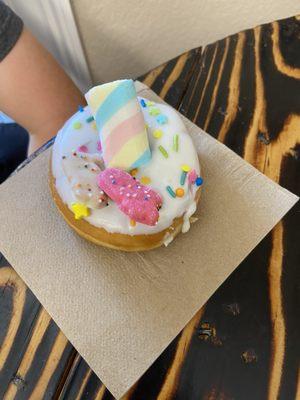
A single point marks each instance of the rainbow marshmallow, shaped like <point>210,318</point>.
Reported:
<point>121,124</point>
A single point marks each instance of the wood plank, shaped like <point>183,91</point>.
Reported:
<point>243,345</point>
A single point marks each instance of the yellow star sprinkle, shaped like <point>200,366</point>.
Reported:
<point>80,210</point>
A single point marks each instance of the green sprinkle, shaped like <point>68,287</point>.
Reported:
<point>154,111</point>
<point>183,178</point>
<point>77,125</point>
<point>171,191</point>
<point>90,119</point>
<point>163,151</point>
<point>175,142</point>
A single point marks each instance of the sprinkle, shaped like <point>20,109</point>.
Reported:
<point>179,192</point>
<point>132,222</point>
<point>183,178</point>
<point>162,119</point>
<point>185,168</point>
<point>157,133</point>
<point>64,157</point>
<point>154,111</point>
<point>199,181</point>
<point>145,180</point>
<point>80,210</point>
<point>150,103</point>
<point>163,151</point>
<point>143,104</point>
<point>77,125</point>
<point>80,108</point>
<point>171,191</point>
<point>192,176</point>
<point>133,172</point>
<point>175,142</point>
<point>93,124</point>
<point>90,119</point>
<point>83,148</point>
<point>99,146</point>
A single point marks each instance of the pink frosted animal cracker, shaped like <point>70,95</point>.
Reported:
<point>139,202</point>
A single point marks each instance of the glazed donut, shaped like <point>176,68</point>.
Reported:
<point>135,209</point>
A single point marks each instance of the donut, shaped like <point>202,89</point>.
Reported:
<point>131,192</point>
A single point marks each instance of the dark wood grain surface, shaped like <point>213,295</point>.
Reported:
<point>244,343</point>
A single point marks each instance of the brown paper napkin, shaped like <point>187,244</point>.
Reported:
<point>121,310</point>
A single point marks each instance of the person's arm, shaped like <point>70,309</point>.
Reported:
<point>35,90</point>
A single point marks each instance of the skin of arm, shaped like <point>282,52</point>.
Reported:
<point>35,90</point>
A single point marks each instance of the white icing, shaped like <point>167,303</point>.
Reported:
<point>162,171</point>
<point>186,217</point>
<point>168,239</point>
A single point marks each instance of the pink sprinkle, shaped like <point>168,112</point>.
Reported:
<point>192,176</point>
<point>99,146</point>
<point>83,148</point>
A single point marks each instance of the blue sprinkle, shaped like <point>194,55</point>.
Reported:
<point>146,198</point>
<point>199,181</point>
<point>143,104</point>
<point>171,191</point>
<point>80,108</point>
<point>183,178</point>
<point>113,182</point>
<point>90,119</point>
<point>162,119</point>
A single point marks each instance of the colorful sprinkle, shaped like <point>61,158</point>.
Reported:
<point>154,111</point>
<point>90,119</point>
<point>192,176</point>
<point>94,126</point>
<point>175,142</point>
<point>150,103</point>
<point>199,181</point>
<point>79,210</point>
<point>163,151</point>
<point>132,222</point>
<point>171,191</point>
<point>185,168</point>
<point>143,104</point>
<point>77,125</point>
<point>99,146</point>
<point>157,133</point>
<point>179,192</point>
<point>133,172</point>
<point>80,108</point>
<point>145,180</point>
<point>83,148</point>
<point>183,178</point>
<point>162,119</point>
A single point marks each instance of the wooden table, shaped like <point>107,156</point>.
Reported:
<point>244,343</point>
